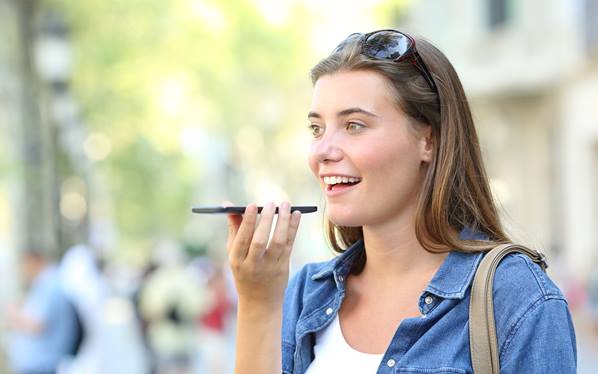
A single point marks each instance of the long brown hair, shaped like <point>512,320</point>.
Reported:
<point>455,193</point>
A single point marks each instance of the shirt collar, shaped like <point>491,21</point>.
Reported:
<point>455,275</point>
<point>450,281</point>
<point>458,269</point>
<point>341,264</point>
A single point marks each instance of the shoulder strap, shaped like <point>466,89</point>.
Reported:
<point>482,328</point>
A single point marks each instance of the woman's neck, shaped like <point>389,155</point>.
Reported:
<point>393,252</point>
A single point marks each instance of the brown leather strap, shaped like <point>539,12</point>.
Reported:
<point>482,327</point>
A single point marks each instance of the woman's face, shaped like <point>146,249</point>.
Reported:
<point>361,134</point>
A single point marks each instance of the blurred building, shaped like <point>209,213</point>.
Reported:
<point>8,111</point>
<point>11,174</point>
<point>530,69</point>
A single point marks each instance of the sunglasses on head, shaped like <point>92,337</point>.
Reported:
<point>390,45</point>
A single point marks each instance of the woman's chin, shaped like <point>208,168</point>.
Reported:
<point>345,220</point>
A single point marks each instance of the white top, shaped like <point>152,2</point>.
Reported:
<point>334,355</point>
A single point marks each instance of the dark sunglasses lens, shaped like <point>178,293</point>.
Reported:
<point>386,45</point>
<point>348,39</point>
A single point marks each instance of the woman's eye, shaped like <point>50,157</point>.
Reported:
<point>315,130</point>
<point>354,126</point>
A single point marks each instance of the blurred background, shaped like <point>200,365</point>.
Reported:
<point>118,116</point>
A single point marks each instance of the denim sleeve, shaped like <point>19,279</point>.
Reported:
<point>542,340</point>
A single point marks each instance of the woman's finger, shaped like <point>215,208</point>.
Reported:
<point>262,233</point>
<point>242,240</point>
<point>279,239</point>
<point>293,227</point>
<point>234,221</point>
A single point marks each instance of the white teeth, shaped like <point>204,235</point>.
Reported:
<point>339,179</point>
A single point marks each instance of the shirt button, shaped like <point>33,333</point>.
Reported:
<point>428,300</point>
<point>329,311</point>
<point>390,363</point>
<point>341,278</point>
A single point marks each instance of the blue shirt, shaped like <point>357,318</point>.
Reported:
<point>46,303</point>
<point>534,328</point>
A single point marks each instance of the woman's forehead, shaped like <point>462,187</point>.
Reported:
<point>353,89</point>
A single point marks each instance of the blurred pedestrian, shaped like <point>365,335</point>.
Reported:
<point>44,327</point>
<point>87,289</point>
<point>215,342</point>
<point>170,301</point>
<point>142,320</point>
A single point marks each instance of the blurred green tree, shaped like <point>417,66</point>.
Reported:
<point>145,70</point>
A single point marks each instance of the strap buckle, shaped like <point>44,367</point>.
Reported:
<point>541,260</point>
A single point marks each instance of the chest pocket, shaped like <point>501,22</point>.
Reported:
<point>441,370</point>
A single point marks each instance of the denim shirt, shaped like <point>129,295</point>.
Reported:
<point>534,328</point>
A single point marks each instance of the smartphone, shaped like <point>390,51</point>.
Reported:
<point>241,209</point>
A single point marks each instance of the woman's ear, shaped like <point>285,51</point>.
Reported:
<point>427,144</point>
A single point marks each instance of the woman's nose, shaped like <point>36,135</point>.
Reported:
<point>327,149</point>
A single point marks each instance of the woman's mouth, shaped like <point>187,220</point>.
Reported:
<point>339,184</point>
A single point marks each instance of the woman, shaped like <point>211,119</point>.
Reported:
<point>410,210</point>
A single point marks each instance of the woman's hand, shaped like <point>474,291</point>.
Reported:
<point>261,271</point>
<point>261,268</point>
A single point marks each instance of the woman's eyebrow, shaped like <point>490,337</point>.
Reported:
<point>311,115</point>
<point>344,112</point>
